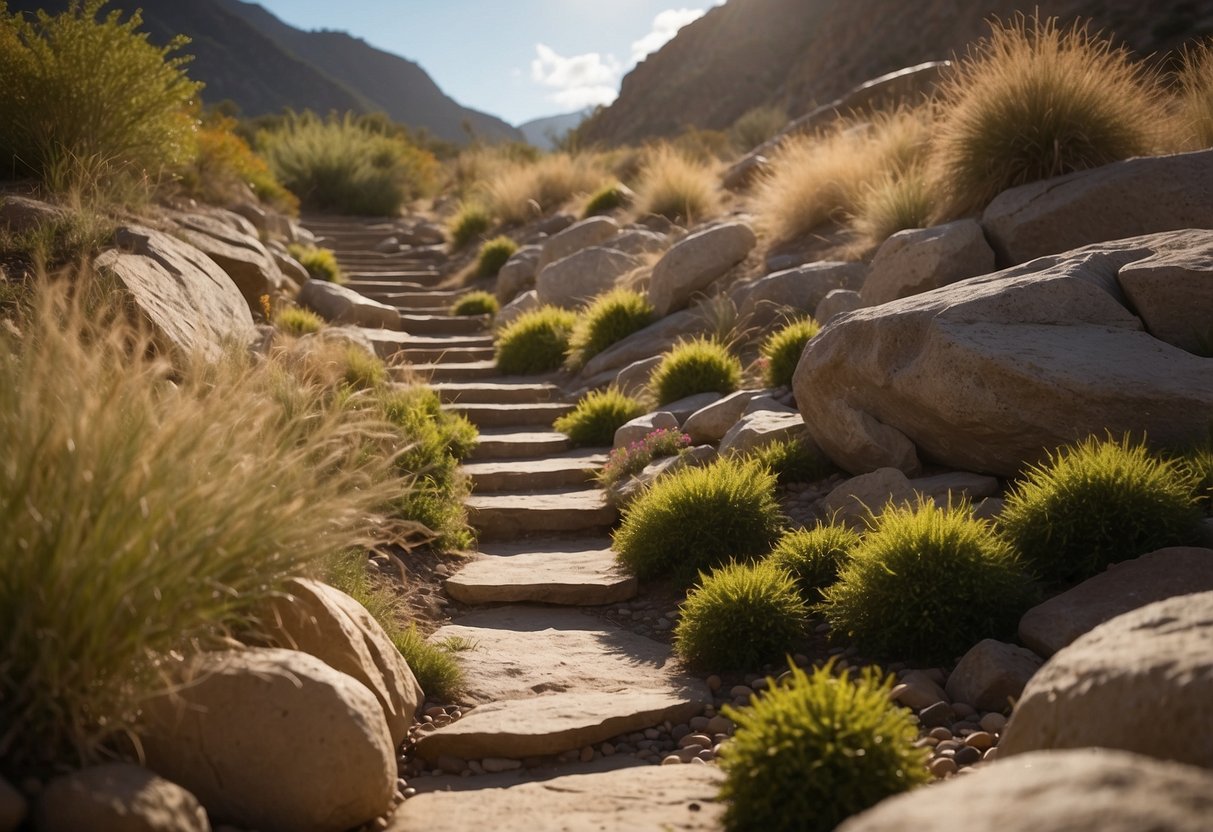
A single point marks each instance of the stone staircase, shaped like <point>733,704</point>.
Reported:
<point>544,679</point>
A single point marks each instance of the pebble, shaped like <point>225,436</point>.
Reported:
<point>698,723</point>
<point>714,683</point>
<point>671,760</point>
<point>741,692</point>
<point>681,731</point>
<point>695,740</point>
<point>608,750</point>
<point>943,767</point>
<point>496,765</point>
<point>979,740</point>
<point>993,723</point>
<point>587,754</point>
<point>962,710</point>
<point>719,725</point>
<point>651,734</point>
<point>990,754</point>
<point>451,764</point>
<point>940,733</point>
<point>967,755</point>
<point>936,715</point>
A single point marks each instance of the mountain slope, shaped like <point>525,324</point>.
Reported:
<point>799,53</point>
<point>542,131</point>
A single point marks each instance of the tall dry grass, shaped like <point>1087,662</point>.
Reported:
<point>677,187</point>
<point>1196,97</point>
<point>520,192</point>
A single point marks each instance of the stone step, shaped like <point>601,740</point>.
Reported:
<point>546,472</point>
<point>580,572</point>
<point>444,324</point>
<point>630,799</point>
<point>502,390</point>
<point>391,286</point>
<point>507,516</point>
<point>438,341</point>
<point>456,355</point>
<point>464,371</point>
<point>508,443</point>
<point>504,415</point>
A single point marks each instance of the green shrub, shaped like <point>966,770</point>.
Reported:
<point>162,515</point>
<point>535,342</point>
<point>610,197</point>
<point>926,583</point>
<point>597,416</point>
<point>624,462</point>
<point>782,350</point>
<point>340,166</point>
<point>697,518</point>
<point>814,556</point>
<point>361,370</point>
<point>224,165</point>
<point>700,365</point>
<point>792,460</point>
<point>740,617</point>
<point>321,263</point>
<point>1198,463</point>
<point>493,256</point>
<point>85,96</point>
<point>435,666</point>
<point>610,318</point>
<point>470,222</point>
<point>1098,503</point>
<point>815,750</point>
<point>896,202</point>
<point>475,303</point>
<point>296,321</point>
<point>1033,101</point>
<point>677,187</point>
<point>756,126</point>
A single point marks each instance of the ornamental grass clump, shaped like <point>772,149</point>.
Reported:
<point>925,584</point>
<point>296,321</point>
<point>1196,97</point>
<point>609,319</point>
<point>701,365</point>
<point>695,519</point>
<point>634,458</point>
<point>475,303</point>
<point>740,617</point>
<point>536,342</point>
<point>793,460</point>
<point>895,202</point>
<point>320,263</point>
<point>1097,503</point>
<point>1034,101</point>
<point>597,416</point>
<point>676,187</point>
<point>814,556</point>
<point>815,749</point>
<point>782,350</point>
<point>469,224</point>
<point>493,255</point>
<point>607,199</point>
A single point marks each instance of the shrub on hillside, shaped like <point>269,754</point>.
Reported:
<point>816,749</point>
<point>700,365</point>
<point>895,202</point>
<point>296,321</point>
<point>536,342</point>
<point>338,166</point>
<point>792,460</point>
<point>814,556</point>
<point>1033,101</point>
<point>632,459</point>
<point>677,188</point>
<point>475,303</point>
<point>1198,462</point>
<point>161,508</point>
<point>756,126</point>
<point>925,584</point>
<point>610,318</point>
<point>321,263</point>
<point>361,370</point>
<point>740,617</point>
<point>1097,503</point>
<point>493,255</point>
<point>695,519</point>
<point>1196,97</point>
<point>525,191</point>
<point>84,97</point>
<point>782,350</point>
<point>610,197</point>
<point>597,416</point>
<point>223,165</point>
<point>468,224</point>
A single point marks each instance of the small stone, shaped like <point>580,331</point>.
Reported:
<point>967,755</point>
<point>435,712</point>
<point>963,710</point>
<point>698,723</point>
<point>496,765</point>
<point>695,740</point>
<point>719,725</point>
<point>947,745</point>
<point>651,734</point>
<point>942,767</point>
<point>741,692</point>
<point>714,683</point>
<point>979,740</point>
<point>990,754</point>
<point>409,792</point>
<point>475,767</point>
<point>707,755</point>
<point>672,760</point>
<point>938,714</point>
<point>587,754</point>
<point>607,750</point>
<point>993,723</point>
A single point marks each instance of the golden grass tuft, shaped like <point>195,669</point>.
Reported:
<point>525,191</point>
<point>1196,97</point>
<point>677,187</point>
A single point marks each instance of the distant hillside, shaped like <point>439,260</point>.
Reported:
<point>542,131</point>
<point>800,53</point>
<point>245,54</point>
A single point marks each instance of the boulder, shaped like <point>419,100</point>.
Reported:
<point>1123,199</point>
<point>990,373</point>
<point>798,291</point>
<point>190,304</point>
<point>640,427</point>
<point>634,378</point>
<point>274,740</point>
<point>838,302</point>
<point>692,264</point>
<point>1141,682</point>
<point>761,428</point>
<point>117,797</point>
<point>580,235</point>
<point>711,423</point>
<point>518,274</point>
<point>330,625</point>
<point>339,305</point>
<point>920,259</point>
<point>572,281</point>
<point>13,807</point>
<point>382,343</point>
<point>853,501</point>
<point>1124,587</point>
<point>1172,293</point>
<point>1092,790</point>
<point>955,486</point>
<point>650,341</point>
<point>742,174</point>
<point>246,261</point>
<point>992,675</point>
<point>639,242</point>
<point>19,214</point>
<point>290,268</point>
<point>917,690</point>
<point>696,457</point>
<point>515,309</point>
<point>684,407</point>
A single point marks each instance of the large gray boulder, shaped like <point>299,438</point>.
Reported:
<point>518,274</point>
<point>189,303</point>
<point>1093,790</point>
<point>339,305</point>
<point>692,264</point>
<point>274,740</point>
<point>1142,682</point>
<point>798,290</point>
<point>920,259</point>
<point>580,235</point>
<point>992,675</point>
<point>576,279</point>
<point>117,797</point>
<point>988,374</point>
<point>1123,199</point>
<point>247,262</point>
<point>648,342</point>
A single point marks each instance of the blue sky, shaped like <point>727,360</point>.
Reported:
<point>517,59</point>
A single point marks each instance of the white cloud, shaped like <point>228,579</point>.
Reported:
<point>577,80</point>
<point>665,26</point>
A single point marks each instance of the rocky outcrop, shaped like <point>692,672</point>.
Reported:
<point>515,309</point>
<point>247,262</point>
<point>339,305</point>
<point>581,235</point>
<point>648,342</point>
<point>574,280</point>
<point>117,797</point>
<point>992,675</point>
<point>795,291</point>
<point>1141,682</point>
<point>518,274</point>
<point>988,374</point>
<point>762,426</point>
<point>837,302</point>
<point>920,259</point>
<point>692,264</point>
<point>711,423</point>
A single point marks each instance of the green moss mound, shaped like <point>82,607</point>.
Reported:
<point>475,303</point>
<point>701,365</point>
<point>1097,503</point>
<point>925,584</point>
<point>793,460</point>
<point>695,519</point>
<point>493,255</point>
<point>536,342</point>
<point>740,617</point>
<point>817,749</point>
<point>782,350</point>
<point>320,263</point>
<point>470,222</point>
<point>610,197</point>
<point>611,317</point>
<point>597,416</point>
<point>296,321</point>
<point>813,557</point>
